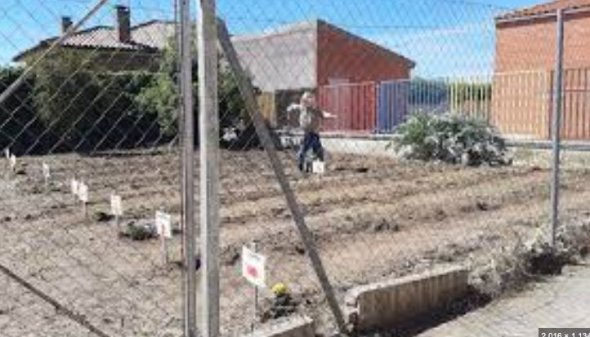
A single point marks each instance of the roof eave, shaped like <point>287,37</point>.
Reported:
<point>146,49</point>
<point>540,16</point>
<point>21,56</point>
<point>409,63</point>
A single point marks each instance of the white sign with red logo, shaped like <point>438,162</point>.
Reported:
<point>253,267</point>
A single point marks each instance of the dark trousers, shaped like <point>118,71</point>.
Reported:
<point>311,141</point>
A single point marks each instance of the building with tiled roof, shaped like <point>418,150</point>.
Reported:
<point>548,8</point>
<point>121,47</point>
<point>301,55</point>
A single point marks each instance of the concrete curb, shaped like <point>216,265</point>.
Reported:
<point>389,304</point>
<point>296,326</point>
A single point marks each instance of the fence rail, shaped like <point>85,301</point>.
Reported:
<point>518,104</point>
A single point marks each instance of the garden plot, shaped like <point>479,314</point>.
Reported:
<point>372,219</point>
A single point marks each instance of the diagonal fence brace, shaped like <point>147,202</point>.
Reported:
<point>264,134</point>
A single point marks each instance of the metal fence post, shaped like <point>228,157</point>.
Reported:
<point>188,212</point>
<point>556,125</point>
<point>209,167</point>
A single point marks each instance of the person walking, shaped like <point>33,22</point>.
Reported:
<point>310,119</point>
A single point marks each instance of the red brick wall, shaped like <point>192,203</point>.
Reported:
<point>525,46</point>
<point>525,58</point>
<point>344,56</point>
<point>530,45</point>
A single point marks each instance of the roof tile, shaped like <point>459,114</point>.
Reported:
<point>545,8</point>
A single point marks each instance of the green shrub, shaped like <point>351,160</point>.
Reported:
<point>451,139</point>
<point>160,97</point>
<point>139,231</point>
<point>19,127</point>
<point>89,107</point>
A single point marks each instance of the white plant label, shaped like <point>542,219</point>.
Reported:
<point>164,224</point>
<point>75,185</point>
<point>12,161</point>
<point>46,171</point>
<point>116,205</point>
<point>318,167</point>
<point>253,265</point>
<point>83,192</point>
<point>7,153</point>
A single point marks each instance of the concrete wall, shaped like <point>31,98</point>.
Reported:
<point>390,304</point>
<point>282,59</point>
<point>348,143</point>
<point>297,326</point>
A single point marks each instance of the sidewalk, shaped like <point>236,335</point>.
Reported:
<point>560,302</point>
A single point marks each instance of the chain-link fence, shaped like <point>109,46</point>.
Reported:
<point>320,106</point>
<point>94,118</point>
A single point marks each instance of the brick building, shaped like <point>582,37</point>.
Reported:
<point>524,70</point>
<point>121,47</point>
<point>344,68</point>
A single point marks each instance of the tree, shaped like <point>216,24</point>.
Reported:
<point>161,97</point>
<point>87,106</point>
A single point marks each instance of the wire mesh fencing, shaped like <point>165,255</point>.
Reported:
<point>343,159</point>
<point>91,142</point>
<point>374,216</point>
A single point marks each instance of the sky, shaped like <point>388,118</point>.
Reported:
<point>444,37</point>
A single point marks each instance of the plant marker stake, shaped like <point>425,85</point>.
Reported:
<point>74,186</point>
<point>163,223</point>
<point>46,176</point>
<point>83,194</point>
<point>12,162</point>
<point>117,208</point>
<point>255,250</point>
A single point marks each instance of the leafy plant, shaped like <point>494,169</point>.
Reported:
<point>138,231</point>
<point>88,107</point>
<point>160,97</point>
<point>20,128</point>
<point>450,138</point>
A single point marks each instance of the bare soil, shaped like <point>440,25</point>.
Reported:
<point>372,218</point>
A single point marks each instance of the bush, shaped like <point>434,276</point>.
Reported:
<point>18,123</point>
<point>451,139</point>
<point>74,102</point>
<point>160,98</point>
<point>88,107</point>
